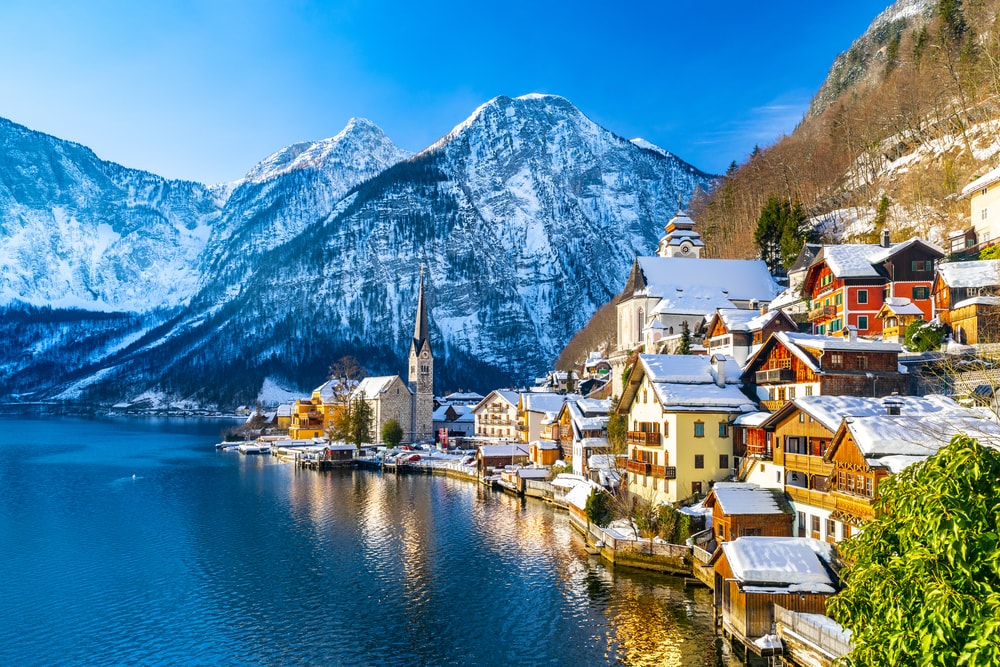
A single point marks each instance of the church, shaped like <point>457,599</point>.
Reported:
<point>410,403</point>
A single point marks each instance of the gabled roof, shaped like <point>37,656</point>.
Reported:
<point>897,305</point>
<point>984,181</point>
<point>830,411</point>
<point>980,273</point>
<point>687,383</point>
<point>742,319</point>
<point>788,564</point>
<point>371,387</point>
<point>719,281</point>
<point>896,441</point>
<point>549,404</point>
<point>510,397</point>
<point>805,346</point>
<point>736,498</point>
<point>864,260</point>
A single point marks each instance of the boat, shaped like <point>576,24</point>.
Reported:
<point>254,448</point>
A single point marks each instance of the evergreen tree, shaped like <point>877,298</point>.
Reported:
<point>781,231</point>
<point>360,422</point>
<point>392,433</point>
<point>685,347</point>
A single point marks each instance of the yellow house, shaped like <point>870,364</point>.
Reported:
<point>896,314</point>
<point>311,418</point>
<point>679,409</point>
<point>984,207</point>
<point>535,413</point>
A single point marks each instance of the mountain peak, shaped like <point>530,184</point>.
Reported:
<point>358,136</point>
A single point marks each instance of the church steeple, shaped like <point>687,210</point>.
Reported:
<point>420,328</point>
<point>422,371</point>
<point>681,239</point>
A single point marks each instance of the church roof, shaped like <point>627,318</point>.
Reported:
<point>421,328</point>
<point>371,387</point>
<point>716,281</point>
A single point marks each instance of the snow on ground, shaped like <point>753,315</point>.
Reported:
<point>273,394</point>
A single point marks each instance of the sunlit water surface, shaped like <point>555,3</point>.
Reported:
<point>133,541</point>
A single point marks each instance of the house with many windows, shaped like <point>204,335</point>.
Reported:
<point>848,284</point>
<point>866,450</point>
<point>679,409</point>
<point>495,416</point>
<point>739,332</point>
<point>984,212</point>
<point>791,364</point>
<point>967,299</point>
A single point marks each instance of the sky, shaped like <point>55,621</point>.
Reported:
<point>205,90</point>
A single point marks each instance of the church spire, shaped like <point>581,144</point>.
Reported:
<point>420,328</point>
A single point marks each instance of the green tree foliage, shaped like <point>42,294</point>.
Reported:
<point>781,232</point>
<point>599,507</point>
<point>617,432</point>
<point>990,252</point>
<point>360,422</point>
<point>685,347</point>
<point>392,433</point>
<point>923,336</point>
<point>923,581</point>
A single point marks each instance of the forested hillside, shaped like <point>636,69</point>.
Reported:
<point>907,117</point>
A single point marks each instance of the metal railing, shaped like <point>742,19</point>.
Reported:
<point>822,637</point>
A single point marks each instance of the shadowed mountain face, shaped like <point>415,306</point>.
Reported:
<point>526,216</point>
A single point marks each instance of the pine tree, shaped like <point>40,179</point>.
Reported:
<point>685,347</point>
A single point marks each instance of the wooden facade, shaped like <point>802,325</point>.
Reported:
<point>738,524</point>
<point>853,483</point>
<point>747,615</point>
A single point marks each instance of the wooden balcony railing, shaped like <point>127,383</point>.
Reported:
<point>772,375</point>
<point>811,497</point>
<point>822,312</point>
<point>642,438</point>
<point>650,470</point>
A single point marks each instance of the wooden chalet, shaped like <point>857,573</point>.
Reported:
<point>793,364</point>
<point>498,456</point>
<point>965,299</point>
<point>848,283</point>
<point>737,333</point>
<point>753,574</point>
<point>896,315</point>
<point>866,450</point>
<point>741,510</point>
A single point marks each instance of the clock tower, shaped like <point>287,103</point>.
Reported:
<point>421,377</point>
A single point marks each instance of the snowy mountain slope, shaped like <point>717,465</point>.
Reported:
<point>526,215</point>
<point>76,231</point>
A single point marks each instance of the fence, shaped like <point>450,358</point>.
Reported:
<point>820,635</point>
<point>645,547</point>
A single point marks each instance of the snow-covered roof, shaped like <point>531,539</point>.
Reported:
<point>829,411</point>
<point>467,396</point>
<point>918,435</point>
<point>986,180</point>
<point>751,419</point>
<point>791,564</point>
<point>980,273</point>
<point>901,306</point>
<point>676,397</point>
<point>851,260</point>
<point>708,279</point>
<point>978,301</point>
<point>509,397</point>
<point>545,444</point>
<point>789,297</point>
<point>737,319</point>
<point>371,387</point>
<point>577,496</point>
<point>489,451</point>
<point>550,404</point>
<point>686,368</point>
<point>896,248</point>
<point>746,498</point>
<point>594,406</point>
<point>533,473</point>
<point>798,343</point>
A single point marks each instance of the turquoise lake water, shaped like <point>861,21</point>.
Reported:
<point>135,542</point>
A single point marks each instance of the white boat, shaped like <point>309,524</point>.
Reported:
<point>254,448</point>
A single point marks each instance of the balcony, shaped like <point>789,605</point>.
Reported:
<point>773,375</point>
<point>647,438</point>
<point>822,313</point>
<point>522,428</point>
<point>812,497</point>
<point>650,470</point>
<point>809,465</point>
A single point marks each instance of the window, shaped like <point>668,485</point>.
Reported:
<point>645,396</point>
<point>869,487</point>
<point>802,417</point>
<point>834,326</point>
<point>802,523</point>
<point>836,360</point>
<point>777,475</point>
<point>699,429</point>
<point>922,265</point>
<point>750,532</point>
<point>862,296</point>
<point>809,390</point>
<point>699,460</point>
<point>724,461</point>
<point>921,293</point>
<point>696,488</point>
<point>814,520</point>
<point>860,479</point>
<point>861,362</point>
<point>838,300</point>
<point>724,432</point>
<point>983,214</point>
<point>831,527</point>
<point>791,393</point>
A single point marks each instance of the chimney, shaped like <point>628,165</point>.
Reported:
<point>893,404</point>
<point>851,333</point>
<point>719,364</point>
<point>885,238</point>
<point>763,309</point>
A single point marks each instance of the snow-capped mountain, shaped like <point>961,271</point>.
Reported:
<point>526,216</point>
<point>76,231</point>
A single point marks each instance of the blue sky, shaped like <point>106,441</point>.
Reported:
<point>205,90</point>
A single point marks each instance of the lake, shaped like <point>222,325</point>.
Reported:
<point>133,541</point>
